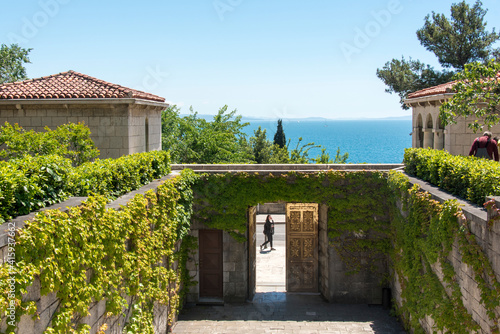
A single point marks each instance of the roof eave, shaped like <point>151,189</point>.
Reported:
<point>86,101</point>
<point>429,98</point>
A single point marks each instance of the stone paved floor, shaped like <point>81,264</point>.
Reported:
<point>275,311</point>
<point>281,312</point>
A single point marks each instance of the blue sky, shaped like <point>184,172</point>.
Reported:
<point>264,58</point>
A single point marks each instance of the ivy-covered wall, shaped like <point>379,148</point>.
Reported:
<point>97,269</point>
<point>445,261</point>
<point>443,266</point>
<point>358,215</point>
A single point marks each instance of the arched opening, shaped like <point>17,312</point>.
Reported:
<point>428,132</point>
<point>146,135</point>
<point>439,134</point>
<point>419,132</point>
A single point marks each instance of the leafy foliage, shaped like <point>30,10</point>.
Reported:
<point>405,76</point>
<point>190,139</point>
<point>92,253</point>
<point>12,59</point>
<point>30,183</point>
<point>460,40</point>
<point>477,96</point>
<point>279,136</point>
<point>358,220</point>
<point>422,240</point>
<point>70,141</point>
<point>115,177</point>
<point>455,43</point>
<point>194,140</point>
<point>470,178</point>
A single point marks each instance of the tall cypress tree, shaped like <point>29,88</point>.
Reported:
<point>279,136</point>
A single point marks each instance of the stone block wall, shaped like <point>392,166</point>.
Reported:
<point>234,264</point>
<point>359,288</point>
<point>48,304</point>
<point>116,129</point>
<point>235,255</point>
<point>487,238</point>
<point>458,138</point>
<point>144,128</point>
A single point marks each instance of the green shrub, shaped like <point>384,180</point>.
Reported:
<point>467,177</point>
<point>30,183</point>
<point>70,140</point>
<point>115,177</point>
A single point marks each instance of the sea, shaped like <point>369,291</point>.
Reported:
<point>366,141</point>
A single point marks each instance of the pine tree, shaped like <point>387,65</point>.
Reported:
<point>279,136</point>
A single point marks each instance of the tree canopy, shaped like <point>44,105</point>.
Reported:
<point>460,40</point>
<point>191,139</point>
<point>405,76</point>
<point>279,136</point>
<point>456,41</point>
<point>477,95</point>
<point>12,60</point>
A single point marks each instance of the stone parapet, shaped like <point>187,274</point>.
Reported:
<point>487,236</point>
<point>283,168</point>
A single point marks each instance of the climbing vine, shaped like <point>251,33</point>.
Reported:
<point>358,220</point>
<point>90,254</point>
<point>423,240</point>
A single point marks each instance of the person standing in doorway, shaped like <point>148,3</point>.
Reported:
<point>268,232</point>
<point>484,147</point>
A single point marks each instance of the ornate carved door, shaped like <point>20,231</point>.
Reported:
<point>252,251</point>
<point>211,273</point>
<point>302,247</point>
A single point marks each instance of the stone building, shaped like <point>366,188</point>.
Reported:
<point>122,120</point>
<point>429,131</point>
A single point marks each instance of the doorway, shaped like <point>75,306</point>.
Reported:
<point>271,262</point>
<point>293,265</point>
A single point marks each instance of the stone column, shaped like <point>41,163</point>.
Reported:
<point>438,139</point>
<point>428,138</point>
<point>414,137</point>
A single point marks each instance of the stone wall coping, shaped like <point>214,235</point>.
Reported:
<point>125,199</point>
<point>470,210</point>
<point>20,221</point>
<point>282,168</point>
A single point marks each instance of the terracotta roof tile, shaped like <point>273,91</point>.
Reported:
<point>435,90</point>
<point>439,89</point>
<point>70,85</point>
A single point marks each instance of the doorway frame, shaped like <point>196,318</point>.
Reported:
<point>323,250</point>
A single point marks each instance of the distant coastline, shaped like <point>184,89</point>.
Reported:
<point>308,119</point>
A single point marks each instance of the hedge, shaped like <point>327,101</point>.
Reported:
<point>115,177</point>
<point>467,177</point>
<point>30,183</point>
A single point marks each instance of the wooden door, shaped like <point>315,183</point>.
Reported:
<point>252,251</point>
<point>302,247</point>
<point>211,271</point>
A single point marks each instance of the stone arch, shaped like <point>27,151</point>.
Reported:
<point>146,134</point>
<point>419,132</point>
<point>429,132</point>
<point>429,122</point>
<point>439,133</point>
